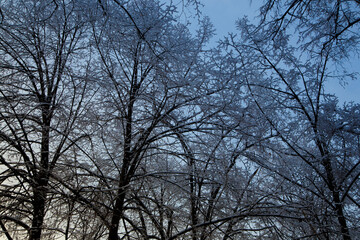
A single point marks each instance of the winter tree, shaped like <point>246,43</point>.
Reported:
<point>313,148</point>
<point>117,121</point>
<point>44,96</point>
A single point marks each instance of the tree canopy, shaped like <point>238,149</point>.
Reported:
<point>118,120</point>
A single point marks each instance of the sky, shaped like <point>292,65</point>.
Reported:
<point>224,13</point>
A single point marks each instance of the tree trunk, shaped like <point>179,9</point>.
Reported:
<point>340,215</point>
<point>336,198</point>
<point>117,213</point>
<point>41,178</point>
<point>39,201</point>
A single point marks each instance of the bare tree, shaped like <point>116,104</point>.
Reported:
<point>151,76</point>
<point>306,152</point>
<point>117,122</point>
<point>321,25</point>
<point>43,94</point>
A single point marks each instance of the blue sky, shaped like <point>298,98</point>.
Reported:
<point>224,13</point>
